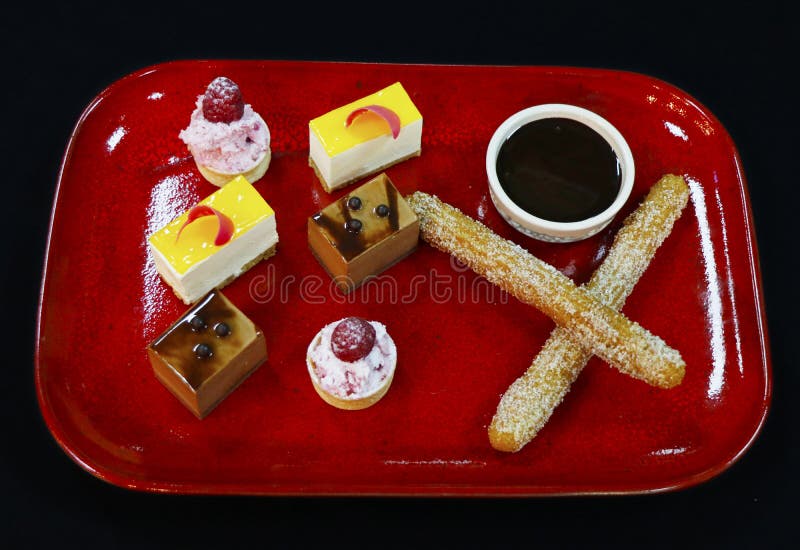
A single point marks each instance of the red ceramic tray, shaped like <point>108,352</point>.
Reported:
<point>461,343</point>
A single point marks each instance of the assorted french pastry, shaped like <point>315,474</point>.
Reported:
<point>215,241</point>
<point>207,353</point>
<point>363,233</point>
<point>351,363</point>
<point>213,347</point>
<point>364,137</point>
<point>226,137</point>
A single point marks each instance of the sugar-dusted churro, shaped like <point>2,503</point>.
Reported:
<point>596,326</point>
<point>530,401</point>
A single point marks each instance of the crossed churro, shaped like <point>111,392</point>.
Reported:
<point>530,401</point>
<point>594,325</point>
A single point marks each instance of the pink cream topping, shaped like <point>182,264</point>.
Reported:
<point>227,147</point>
<point>226,227</point>
<point>385,113</point>
<point>352,379</point>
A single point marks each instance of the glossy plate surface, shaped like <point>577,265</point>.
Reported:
<point>461,342</point>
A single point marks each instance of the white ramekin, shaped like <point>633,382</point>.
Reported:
<point>546,230</point>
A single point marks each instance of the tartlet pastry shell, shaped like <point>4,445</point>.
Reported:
<point>220,178</point>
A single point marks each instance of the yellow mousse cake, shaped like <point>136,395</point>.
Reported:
<point>355,140</point>
<point>211,244</point>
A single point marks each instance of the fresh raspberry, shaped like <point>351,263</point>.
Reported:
<point>223,101</point>
<point>352,339</point>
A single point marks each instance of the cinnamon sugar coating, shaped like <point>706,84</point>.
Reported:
<point>530,401</point>
<point>594,325</point>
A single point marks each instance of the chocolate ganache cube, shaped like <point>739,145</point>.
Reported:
<point>363,233</point>
<point>207,353</point>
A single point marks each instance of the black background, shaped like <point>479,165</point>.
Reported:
<point>736,58</point>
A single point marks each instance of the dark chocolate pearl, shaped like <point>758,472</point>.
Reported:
<point>203,351</point>
<point>222,329</point>
<point>354,203</point>
<point>353,226</point>
<point>197,323</point>
<point>382,210</point>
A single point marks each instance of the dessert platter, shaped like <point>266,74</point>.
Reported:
<point>311,278</point>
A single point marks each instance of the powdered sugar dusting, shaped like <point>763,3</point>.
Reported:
<point>229,148</point>
<point>356,379</point>
<point>222,89</point>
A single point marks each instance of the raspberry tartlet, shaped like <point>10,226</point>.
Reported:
<point>226,137</point>
<point>352,362</point>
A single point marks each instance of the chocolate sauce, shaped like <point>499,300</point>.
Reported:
<point>559,169</point>
<point>349,244</point>
<point>393,214</point>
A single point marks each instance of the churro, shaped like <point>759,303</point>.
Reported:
<point>530,401</point>
<point>594,325</point>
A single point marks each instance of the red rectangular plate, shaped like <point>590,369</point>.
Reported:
<point>461,342</point>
